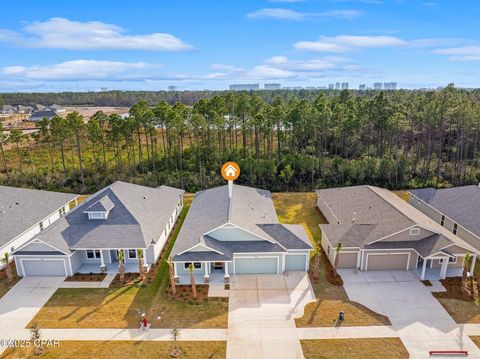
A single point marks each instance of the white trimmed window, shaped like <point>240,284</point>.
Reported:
<point>452,260</point>
<point>196,265</point>
<point>93,254</point>
<point>132,254</point>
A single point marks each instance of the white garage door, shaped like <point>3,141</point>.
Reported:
<point>257,265</point>
<point>387,261</point>
<point>44,267</point>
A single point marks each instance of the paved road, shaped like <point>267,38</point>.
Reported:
<point>261,315</point>
<point>417,317</point>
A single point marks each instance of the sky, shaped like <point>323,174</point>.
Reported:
<point>90,45</point>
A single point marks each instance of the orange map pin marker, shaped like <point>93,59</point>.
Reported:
<point>230,171</point>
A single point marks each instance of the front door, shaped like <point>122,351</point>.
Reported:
<point>114,255</point>
<point>218,265</point>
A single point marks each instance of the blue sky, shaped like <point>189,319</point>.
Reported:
<point>88,45</point>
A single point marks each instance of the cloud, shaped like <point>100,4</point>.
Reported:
<point>226,68</point>
<point>61,33</point>
<point>82,70</point>
<point>288,14</point>
<point>461,53</point>
<point>344,43</point>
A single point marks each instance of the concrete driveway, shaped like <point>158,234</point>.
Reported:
<point>23,301</point>
<point>261,315</point>
<point>418,318</point>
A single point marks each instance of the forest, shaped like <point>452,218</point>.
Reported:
<point>282,142</point>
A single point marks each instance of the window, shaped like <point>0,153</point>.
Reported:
<point>452,260</point>
<point>132,253</point>
<point>41,226</point>
<point>61,212</point>
<point>196,265</point>
<point>442,221</point>
<point>414,231</point>
<point>455,228</point>
<point>93,254</point>
<point>97,215</point>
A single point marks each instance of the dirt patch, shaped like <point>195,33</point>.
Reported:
<point>456,290</point>
<point>86,277</point>
<point>184,294</point>
<point>328,270</point>
<point>427,283</point>
<point>130,279</point>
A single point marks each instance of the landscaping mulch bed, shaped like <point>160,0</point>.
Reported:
<point>427,283</point>
<point>184,294</point>
<point>456,290</point>
<point>129,279</point>
<point>86,277</point>
<point>329,272</point>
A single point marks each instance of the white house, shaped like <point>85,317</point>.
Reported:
<point>26,212</point>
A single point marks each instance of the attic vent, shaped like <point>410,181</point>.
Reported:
<point>144,197</point>
<point>414,231</point>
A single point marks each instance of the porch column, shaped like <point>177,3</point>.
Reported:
<point>443,270</point>
<point>206,277</point>
<point>227,276</point>
<point>472,265</point>
<point>424,267</point>
<point>102,262</point>
<point>175,274</point>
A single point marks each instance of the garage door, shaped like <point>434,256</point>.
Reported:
<point>387,261</point>
<point>53,267</point>
<point>347,260</point>
<point>258,265</point>
<point>295,262</point>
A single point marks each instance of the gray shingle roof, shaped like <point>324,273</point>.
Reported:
<point>137,218</point>
<point>39,115</point>
<point>462,204</point>
<point>368,214</point>
<point>21,209</point>
<point>249,209</point>
<point>104,204</point>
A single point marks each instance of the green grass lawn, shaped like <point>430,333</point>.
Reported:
<point>301,208</point>
<point>123,349</point>
<point>118,307</point>
<point>371,348</point>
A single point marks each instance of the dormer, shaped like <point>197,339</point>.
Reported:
<point>100,209</point>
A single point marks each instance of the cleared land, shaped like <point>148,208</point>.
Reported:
<point>331,299</point>
<point>370,348</point>
<point>123,349</point>
<point>119,307</point>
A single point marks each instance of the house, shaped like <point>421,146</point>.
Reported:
<point>25,213</point>
<point>230,234</point>
<point>380,231</point>
<point>121,217</point>
<point>457,209</point>
<point>57,108</point>
<point>40,115</point>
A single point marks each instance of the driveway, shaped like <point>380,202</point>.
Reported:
<point>23,301</point>
<point>418,318</point>
<point>261,315</point>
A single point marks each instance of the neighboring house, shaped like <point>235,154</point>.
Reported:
<point>225,235</point>
<point>380,231</point>
<point>457,209</point>
<point>57,108</point>
<point>27,212</point>
<point>40,115</point>
<point>121,217</point>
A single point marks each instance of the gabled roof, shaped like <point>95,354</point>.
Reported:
<point>22,208</point>
<point>104,204</point>
<point>39,115</point>
<point>137,218</point>
<point>369,216</point>
<point>250,209</point>
<point>461,204</point>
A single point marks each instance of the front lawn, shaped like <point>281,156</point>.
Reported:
<point>370,348</point>
<point>123,349</point>
<point>301,208</point>
<point>120,307</point>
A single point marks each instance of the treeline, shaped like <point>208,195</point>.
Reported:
<point>394,139</point>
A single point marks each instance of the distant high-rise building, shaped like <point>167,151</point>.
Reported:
<point>377,86</point>
<point>362,87</point>
<point>172,88</point>
<point>331,86</point>
<point>272,86</point>
<point>337,85</point>
<point>389,85</point>
<point>244,87</point>
<point>344,85</point>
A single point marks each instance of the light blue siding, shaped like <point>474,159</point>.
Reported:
<point>295,262</point>
<point>233,234</point>
<point>77,259</point>
<point>258,265</point>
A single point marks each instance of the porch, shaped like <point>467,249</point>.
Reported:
<point>111,268</point>
<point>434,273</point>
<point>441,267</point>
<point>217,276</point>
